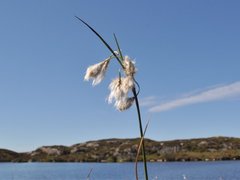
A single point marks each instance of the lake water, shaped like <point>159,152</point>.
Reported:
<point>221,170</point>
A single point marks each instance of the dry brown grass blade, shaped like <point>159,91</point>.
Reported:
<point>139,149</point>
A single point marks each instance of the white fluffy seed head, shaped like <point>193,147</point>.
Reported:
<point>115,90</point>
<point>129,66</point>
<point>124,104</point>
<point>97,72</point>
<point>119,88</point>
<point>127,84</point>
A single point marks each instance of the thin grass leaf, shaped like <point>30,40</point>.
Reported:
<point>88,176</point>
<point>139,149</point>
<point>141,132</point>
<point>119,50</point>
<point>100,37</point>
<point>121,56</point>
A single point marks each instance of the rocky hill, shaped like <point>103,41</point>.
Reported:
<point>124,150</point>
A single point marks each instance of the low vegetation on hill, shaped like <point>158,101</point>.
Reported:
<point>124,150</point>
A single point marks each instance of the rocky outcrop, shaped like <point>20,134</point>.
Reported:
<point>125,150</point>
<point>7,155</point>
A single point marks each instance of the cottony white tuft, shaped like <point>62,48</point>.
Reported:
<point>119,88</point>
<point>124,104</point>
<point>116,53</point>
<point>97,72</point>
<point>127,84</point>
<point>129,66</point>
<point>116,91</point>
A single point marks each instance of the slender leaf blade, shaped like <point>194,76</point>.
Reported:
<point>100,37</point>
<point>119,50</point>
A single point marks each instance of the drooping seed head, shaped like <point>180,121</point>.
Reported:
<point>116,91</point>
<point>129,66</point>
<point>124,104</point>
<point>97,72</point>
<point>127,84</point>
<point>119,88</point>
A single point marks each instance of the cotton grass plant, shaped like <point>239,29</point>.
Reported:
<point>121,87</point>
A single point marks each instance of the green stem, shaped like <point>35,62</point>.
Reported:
<point>100,37</point>
<point>119,50</point>
<point>141,133</point>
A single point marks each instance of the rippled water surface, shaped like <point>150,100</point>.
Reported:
<point>222,170</point>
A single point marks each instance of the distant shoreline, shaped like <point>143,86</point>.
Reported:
<point>124,150</point>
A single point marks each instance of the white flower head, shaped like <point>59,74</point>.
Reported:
<point>116,91</point>
<point>97,72</point>
<point>124,104</point>
<point>127,84</point>
<point>129,66</point>
<point>119,89</point>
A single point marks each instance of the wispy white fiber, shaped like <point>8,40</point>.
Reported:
<point>97,72</point>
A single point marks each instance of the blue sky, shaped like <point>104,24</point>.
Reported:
<point>187,55</point>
